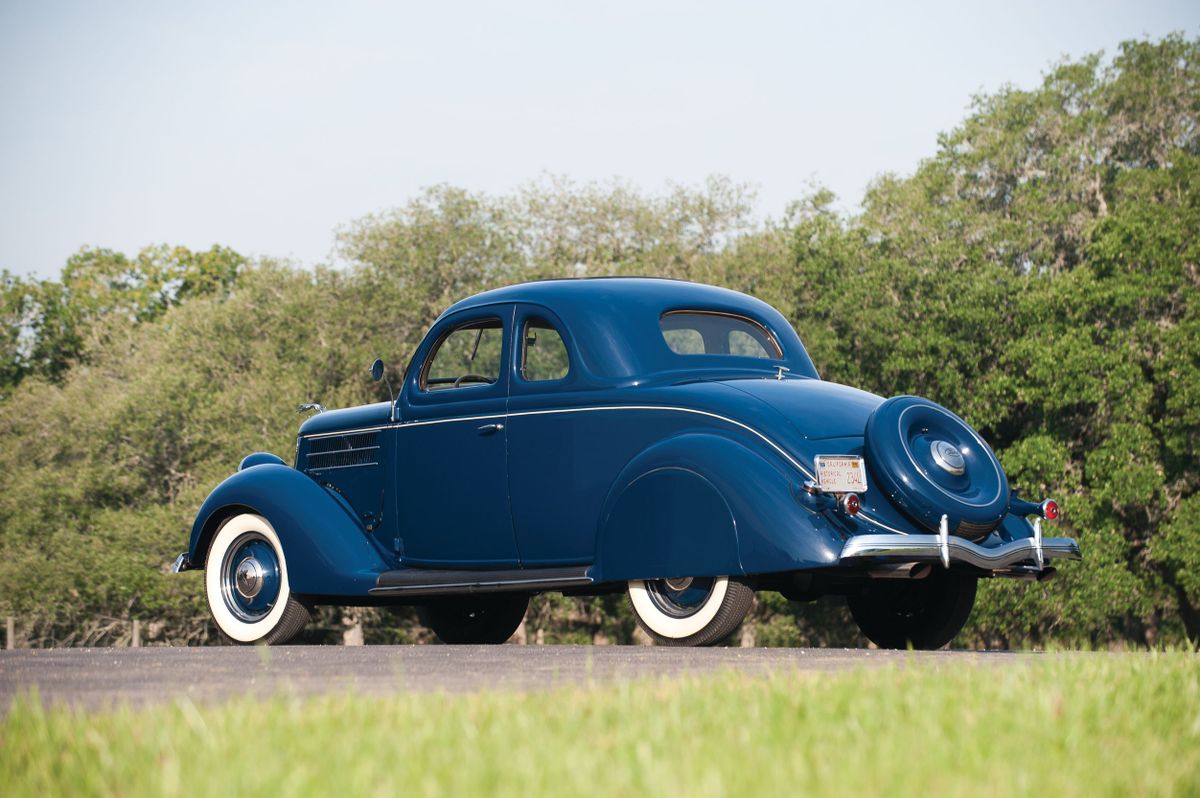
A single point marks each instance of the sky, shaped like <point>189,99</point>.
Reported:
<point>266,126</point>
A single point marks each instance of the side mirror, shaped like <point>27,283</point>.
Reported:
<point>377,374</point>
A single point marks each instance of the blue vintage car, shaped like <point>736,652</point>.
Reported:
<point>661,438</point>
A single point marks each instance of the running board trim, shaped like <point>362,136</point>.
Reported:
<point>425,581</point>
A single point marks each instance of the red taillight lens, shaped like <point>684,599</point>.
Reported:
<point>851,504</point>
<point>1050,509</point>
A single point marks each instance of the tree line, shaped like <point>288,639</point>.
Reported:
<point>1039,275</point>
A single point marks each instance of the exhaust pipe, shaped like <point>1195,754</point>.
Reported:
<point>1028,573</point>
<point>902,570</point>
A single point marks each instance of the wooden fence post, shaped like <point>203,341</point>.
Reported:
<point>10,629</point>
<point>136,639</point>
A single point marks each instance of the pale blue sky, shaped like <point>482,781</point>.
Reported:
<point>265,125</point>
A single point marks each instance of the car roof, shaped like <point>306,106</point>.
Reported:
<point>614,320</point>
<point>554,293</point>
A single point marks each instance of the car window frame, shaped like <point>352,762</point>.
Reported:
<point>520,349</point>
<point>431,355</point>
<point>576,373</point>
<point>413,397</point>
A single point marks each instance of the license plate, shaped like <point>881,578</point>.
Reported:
<point>838,473</point>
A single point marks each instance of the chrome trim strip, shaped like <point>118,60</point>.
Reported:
<point>880,524</point>
<point>559,580</point>
<point>335,468</point>
<point>669,408</point>
<point>181,564</point>
<point>929,547</point>
<point>400,425</point>
<point>355,430</point>
<point>343,451</point>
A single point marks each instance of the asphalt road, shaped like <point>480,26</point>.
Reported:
<point>107,676</point>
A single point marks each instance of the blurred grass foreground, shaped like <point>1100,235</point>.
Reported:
<point>1077,724</point>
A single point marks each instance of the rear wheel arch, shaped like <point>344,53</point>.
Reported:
<point>666,514</point>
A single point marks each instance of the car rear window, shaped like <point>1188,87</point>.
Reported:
<point>703,332</point>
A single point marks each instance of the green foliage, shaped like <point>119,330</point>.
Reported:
<point>1038,274</point>
<point>1075,725</point>
<point>47,324</point>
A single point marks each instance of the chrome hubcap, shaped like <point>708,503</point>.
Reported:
<point>249,578</point>
<point>948,457</point>
<point>681,597</point>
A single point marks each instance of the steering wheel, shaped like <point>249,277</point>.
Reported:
<point>473,378</point>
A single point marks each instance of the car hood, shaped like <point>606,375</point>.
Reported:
<point>348,418</point>
<point>815,408</point>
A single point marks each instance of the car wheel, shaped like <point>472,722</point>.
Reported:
<point>692,611</point>
<point>924,613</point>
<point>246,582</point>
<point>489,618</point>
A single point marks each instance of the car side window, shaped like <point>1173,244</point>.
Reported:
<point>469,356</point>
<point>543,353</point>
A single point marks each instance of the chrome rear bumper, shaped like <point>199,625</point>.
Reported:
<point>953,549</point>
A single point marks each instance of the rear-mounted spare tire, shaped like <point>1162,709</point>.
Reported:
<point>930,463</point>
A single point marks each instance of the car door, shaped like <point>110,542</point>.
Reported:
<point>451,459</point>
<point>560,462</point>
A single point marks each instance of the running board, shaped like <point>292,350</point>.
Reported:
<point>424,581</point>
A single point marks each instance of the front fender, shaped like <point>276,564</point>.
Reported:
<point>702,504</point>
<point>327,550</point>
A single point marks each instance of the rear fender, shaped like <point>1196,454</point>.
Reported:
<point>702,504</point>
<point>327,549</point>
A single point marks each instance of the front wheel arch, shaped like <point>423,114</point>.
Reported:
<point>213,524</point>
<point>328,552</point>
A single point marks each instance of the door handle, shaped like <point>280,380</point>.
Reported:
<point>488,429</point>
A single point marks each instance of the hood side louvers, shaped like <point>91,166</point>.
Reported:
<point>342,451</point>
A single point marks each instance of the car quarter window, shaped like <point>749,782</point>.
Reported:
<point>468,356</point>
<point>702,332</point>
<point>543,353</point>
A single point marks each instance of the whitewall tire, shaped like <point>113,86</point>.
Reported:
<point>689,611</point>
<point>246,583</point>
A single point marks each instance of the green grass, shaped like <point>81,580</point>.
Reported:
<point>1089,724</point>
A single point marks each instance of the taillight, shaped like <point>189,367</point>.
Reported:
<point>1050,509</point>
<point>851,504</point>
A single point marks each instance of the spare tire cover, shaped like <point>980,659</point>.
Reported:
<point>931,463</point>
